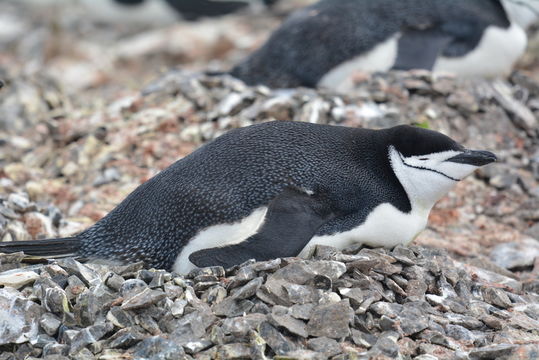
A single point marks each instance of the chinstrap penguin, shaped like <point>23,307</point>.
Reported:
<point>274,190</point>
<point>326,43</point>
<point>154,11</point>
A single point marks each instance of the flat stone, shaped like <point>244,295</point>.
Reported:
<point>18,317</point>
<point>249,289</point>
<point>301,311</point>
<point>492,351</point>
<point>158,348</point>
<point>496,297</point>
<point>241,325</point>
<point>291,324</point>
<point>234,351</point>
<point>143,299</point>
<point>119,317</point>
<point>275,340</point>
<point>231,307</point>
<point>363,339</point>
<point>300,294</point>
<point>356,296</point>
<point>18,278</point>
<point>132,287</point>
<point>50,323</point>
<point>328,347</point>
<point>125,338</point>
<point>516,255</point>
<point>331,320</point>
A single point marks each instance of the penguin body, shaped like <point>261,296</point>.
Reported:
<point>275,189</point>
<point>324,44</point>
<point>154,11</point>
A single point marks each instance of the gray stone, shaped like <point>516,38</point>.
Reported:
<point>301,311</point>
<point>328,347</point>
<point>241,325</point>
<point>363,339</point>
<point>234,351</point>
<point>158,348</point>
<point>125,338</point>
<point>492,351</point>
<point>18,317</point>
<point>275,340</point>
<point>291,324</point>
<point>300,294</point>
<point>50,323</point>
<point>143,299</point>
<point>516,255</point>
<point>231,307</point>
<point>18,278</point>
<point>248,289</point>
<point>131,287</point>
<point>119,317</point>
<point>496,297</point>
<point>331,320</point>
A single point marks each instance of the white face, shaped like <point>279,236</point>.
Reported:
<point>426,178</point>
<point>522,12</point>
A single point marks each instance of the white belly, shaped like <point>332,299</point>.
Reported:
<point>381,58</point>
<point>219,235</point>
<point>386,226</point>
<point>495,54</point>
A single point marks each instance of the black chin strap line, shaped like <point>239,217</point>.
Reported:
<point>428,169</point>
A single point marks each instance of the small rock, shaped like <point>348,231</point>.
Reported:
<point>324,345</point>
<point>143,299</point>
<point>492,351</point>
<point>331,320</point>
<point>158,348</point>
<point>49,323</point>
<point>18,278</point>
<point>291,324</point>
<point>278,343</point>
<point>516,255</point>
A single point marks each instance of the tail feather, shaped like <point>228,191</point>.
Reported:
<point>47,248</point>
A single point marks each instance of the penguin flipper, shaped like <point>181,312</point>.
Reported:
<point>419,48</point>
<point>292,219</point>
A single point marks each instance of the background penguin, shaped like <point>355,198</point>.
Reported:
<point>156,11</point>
<point>324,44</point>
<point>274,190</point>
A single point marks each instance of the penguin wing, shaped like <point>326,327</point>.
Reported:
<point>419,49</point>
<point>292,219</point>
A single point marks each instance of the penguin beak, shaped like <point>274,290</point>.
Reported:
<point>474,157</point>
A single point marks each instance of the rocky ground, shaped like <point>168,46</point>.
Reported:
<point>83,121</point>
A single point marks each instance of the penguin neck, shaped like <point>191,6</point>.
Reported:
<point>522,12</point>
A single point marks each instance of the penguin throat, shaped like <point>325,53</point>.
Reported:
<point>423,186</point>
<point>522,12</point>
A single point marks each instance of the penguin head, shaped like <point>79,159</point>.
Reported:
<point>522,12</point>
<point>428,164</point>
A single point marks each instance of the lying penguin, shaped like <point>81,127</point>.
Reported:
<point>155,11</point>
<point>274,190</point>
<point>326,43</point>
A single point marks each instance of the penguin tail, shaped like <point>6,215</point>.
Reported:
<point>46,248</point>
<point>216,73</point>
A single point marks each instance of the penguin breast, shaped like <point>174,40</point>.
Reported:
<point>385,226</point>
<point>494,56</point>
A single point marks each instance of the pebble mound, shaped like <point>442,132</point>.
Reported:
<point>407,303</point>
